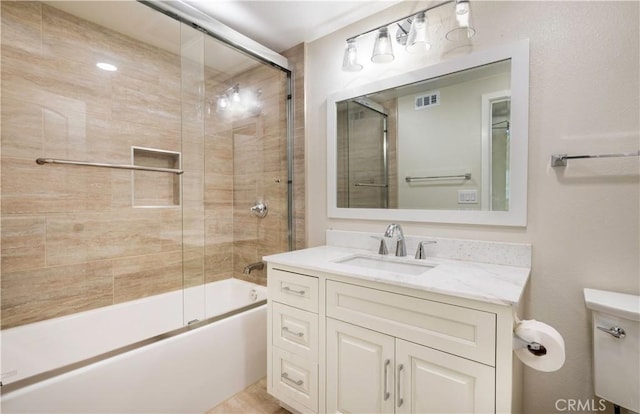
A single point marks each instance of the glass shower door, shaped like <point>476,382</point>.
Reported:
<point>363,172</point>
<point>234,137</point>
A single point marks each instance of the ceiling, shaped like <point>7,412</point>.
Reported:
<point>280,25</point>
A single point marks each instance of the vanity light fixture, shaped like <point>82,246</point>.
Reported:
<point>418,34</point>
<point>350,61</point>
<point>228,98</point>
<point>234,101</point>
<point>382,48</point>
<point>464,30</point>
<point>415,40</point>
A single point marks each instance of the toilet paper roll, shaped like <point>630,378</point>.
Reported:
<point>534,331</point>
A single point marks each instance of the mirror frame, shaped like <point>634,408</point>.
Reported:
<point>518,52</point>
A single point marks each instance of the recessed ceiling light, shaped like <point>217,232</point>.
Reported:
<point>107,66</point>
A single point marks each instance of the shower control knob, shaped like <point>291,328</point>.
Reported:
<point>259,210</point>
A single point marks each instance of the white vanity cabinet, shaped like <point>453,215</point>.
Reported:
<point>370,372</point>
<point>292,333</point>
<point>382,348</point>
<point>447,366</point>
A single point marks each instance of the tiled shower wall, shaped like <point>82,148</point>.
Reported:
<point>250,159</point>
<point>358,153</point>
<point>71,240</point>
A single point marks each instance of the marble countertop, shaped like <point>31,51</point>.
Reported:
<point>478,281</point>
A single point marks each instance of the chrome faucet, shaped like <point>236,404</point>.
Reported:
<point>421,252</point>
<point>401,247</point>
<point>253,266</point>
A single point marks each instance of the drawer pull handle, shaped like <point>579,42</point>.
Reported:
<point>298,334</point>
<point>285,376</point>
<point>386,379</point>
<point>400,399</point>
<point>614,331</point>
<point>287,289</point>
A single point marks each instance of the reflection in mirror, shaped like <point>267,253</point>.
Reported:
<point>445,143</point>
<point>363,180</point>
<point>439,144</point>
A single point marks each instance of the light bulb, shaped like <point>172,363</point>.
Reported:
<point>462,7</point>
<point>235,95</point>
<point>382,48</point>
<point>417,41</point>
<point>107,66</point>
<point>350,60</point>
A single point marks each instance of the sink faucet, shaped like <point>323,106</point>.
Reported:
<point>401,247</point>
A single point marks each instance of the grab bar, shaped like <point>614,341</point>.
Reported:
<point>466,176</point>
<point>42,161</point>
<point>560,160</point>
<point>369,185</point>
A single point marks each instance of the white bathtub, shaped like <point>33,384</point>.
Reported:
<point>186,373</point>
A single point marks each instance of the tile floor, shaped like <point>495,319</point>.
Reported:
<point>253,400</point>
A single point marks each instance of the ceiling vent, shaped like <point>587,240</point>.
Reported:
<point>427,100</point>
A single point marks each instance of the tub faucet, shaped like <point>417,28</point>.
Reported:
<point>401,247</point>
<point>253,266</point>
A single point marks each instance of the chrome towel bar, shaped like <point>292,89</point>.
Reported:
<point>560,160</point>
<point>42,161</point>
<point>369,185</point>
<point>466,176</point>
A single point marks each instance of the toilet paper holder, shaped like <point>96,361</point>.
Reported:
<point>535,348</point>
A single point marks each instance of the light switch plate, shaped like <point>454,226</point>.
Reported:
<point>467,196</point>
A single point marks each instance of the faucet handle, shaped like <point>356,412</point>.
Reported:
<point>382,248</point>
<point>420,252</point>
<point>401,248</point>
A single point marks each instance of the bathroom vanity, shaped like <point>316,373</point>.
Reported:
<point>353,331</point>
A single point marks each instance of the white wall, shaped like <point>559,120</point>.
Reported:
<point>443,140</point>
<point>583,220</point>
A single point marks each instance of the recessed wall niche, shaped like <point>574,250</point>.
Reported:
<point>153,188</point>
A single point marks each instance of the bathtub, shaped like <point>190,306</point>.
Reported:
<point>86,363</point>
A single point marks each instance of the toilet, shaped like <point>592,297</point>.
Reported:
<point>616,347</point>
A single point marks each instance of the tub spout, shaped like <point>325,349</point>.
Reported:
<point>253,266</point>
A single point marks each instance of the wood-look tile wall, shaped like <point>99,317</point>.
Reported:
<point>295,55</point>
<point>254,164</point>
<point>71,240</point>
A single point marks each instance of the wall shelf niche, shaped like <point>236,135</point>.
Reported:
<point>153,189</point>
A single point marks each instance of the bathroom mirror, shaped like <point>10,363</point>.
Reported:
<point>446,143</point>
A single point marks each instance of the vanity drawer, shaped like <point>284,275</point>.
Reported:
<point>295,330</point>
<point>294,378</point>
<point>454,329</point>
<point>293,289</point>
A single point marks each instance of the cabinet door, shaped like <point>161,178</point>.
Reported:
<point>359,369</point>
<point>431,381</point>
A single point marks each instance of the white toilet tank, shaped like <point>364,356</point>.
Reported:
<point>616,346</point>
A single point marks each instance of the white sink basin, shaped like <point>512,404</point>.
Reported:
<point>386,264</point>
